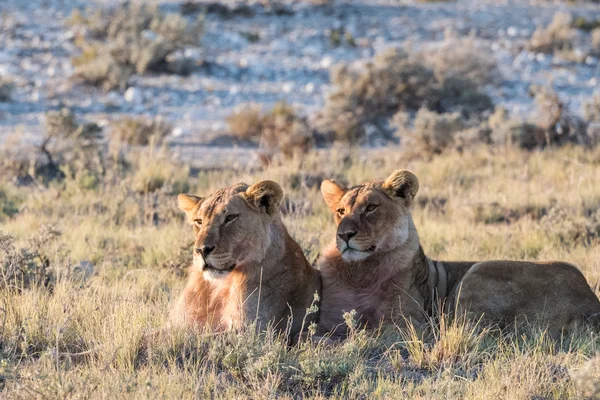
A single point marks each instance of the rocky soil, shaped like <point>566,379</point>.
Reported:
<point>272,56</point>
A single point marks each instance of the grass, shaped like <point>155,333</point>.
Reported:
<point>80,335</point>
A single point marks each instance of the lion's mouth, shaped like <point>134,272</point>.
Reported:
<point>369,250</point>
<point>212,268</point>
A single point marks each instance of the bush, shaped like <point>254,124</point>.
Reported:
<point>247,122</point>
<point>141,131</point>
<point>23,267</point>
<point>432,133</point>
<point>365,95</point>
<point>132,39</point>
<point>552,123</point>
<point>596,41</point>
<point>280,130</point>
<point>6,88</point>
<point>460,58</point>
<point>552,115</point>
<point>558,36</point>
<point>69,145</point>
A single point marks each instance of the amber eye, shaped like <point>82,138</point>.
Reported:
<point>341,211</point>
<point>372,207</point>
<point>230,218</point>
<point>198,222</point>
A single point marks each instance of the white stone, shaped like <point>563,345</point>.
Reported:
<point>134,95</point>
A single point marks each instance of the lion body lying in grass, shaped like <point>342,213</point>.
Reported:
<point>377,267</point>
<point>246,265</point>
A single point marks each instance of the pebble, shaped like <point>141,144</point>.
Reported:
<point>134,95</point>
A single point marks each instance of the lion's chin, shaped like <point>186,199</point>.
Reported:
<point>212,273</point>
<point>349,254</point>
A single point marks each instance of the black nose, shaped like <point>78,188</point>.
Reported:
<point>204,251</point>
<point>346,236</point>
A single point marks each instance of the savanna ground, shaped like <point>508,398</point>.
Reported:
<point>108,112</point>
<point>74,329</point>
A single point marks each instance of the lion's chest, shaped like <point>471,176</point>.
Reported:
<point>389,300</point>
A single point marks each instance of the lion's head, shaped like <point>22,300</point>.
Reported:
<point>373,217</point>
<point>233,226</point>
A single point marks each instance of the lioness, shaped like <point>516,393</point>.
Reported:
<point>377,267</point>
<point>246,266</point>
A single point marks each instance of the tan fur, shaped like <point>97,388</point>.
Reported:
<point>255,270</point>
<point>377,267</point>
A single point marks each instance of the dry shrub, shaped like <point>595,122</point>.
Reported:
<point>432,133</point>
<point>133,39</point>
<point>561,225</point>
<point>141,131</point>
<point>558,36</point>
<point>554,117</point>
<point>285,132</point>
<point>68,146</point>
<point>584,24</point>
<point>551,124</point>
<point>280,130</point>
<point>587,378</point>
<point>496,213</point>
<point>366,94</point>
<point>596,41</point>
<point>460,58</point>
<point>247,122</point>
<point>24,267</point>
<point>591,110</point>
<point>591,113</point>
<point>6,88</point>
<point>154,170</point>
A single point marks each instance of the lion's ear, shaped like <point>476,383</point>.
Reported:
<point>403,184</point>
<point>189,205</point>
<point>332,193</point>
<point>265,195</point>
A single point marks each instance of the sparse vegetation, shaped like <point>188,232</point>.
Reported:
<point>366,95</point>
<point>141,131</point>
<point>280,130</point>
<point>556,37</point>
<point>67,333</point>
<point>132,39</point>
<point>6,88</point>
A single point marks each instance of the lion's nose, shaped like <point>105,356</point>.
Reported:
<point>204,251</point>
<point>346,236</point>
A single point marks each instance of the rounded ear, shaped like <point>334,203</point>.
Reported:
<point>402,184</point>
<point>189,205</point>
<point>332,193</point>
<point>265,195</point>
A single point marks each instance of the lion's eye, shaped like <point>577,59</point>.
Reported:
<point>341,211</point>
<point>198,222</point>
<point>372,207</point>
<point>230,218</point>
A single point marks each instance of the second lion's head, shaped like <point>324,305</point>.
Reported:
<point>373,217</point>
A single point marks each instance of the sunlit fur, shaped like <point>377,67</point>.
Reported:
<point>255,270</point>
<point>382,272</point>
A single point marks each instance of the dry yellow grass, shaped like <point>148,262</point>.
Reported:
<point>82,337</point>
